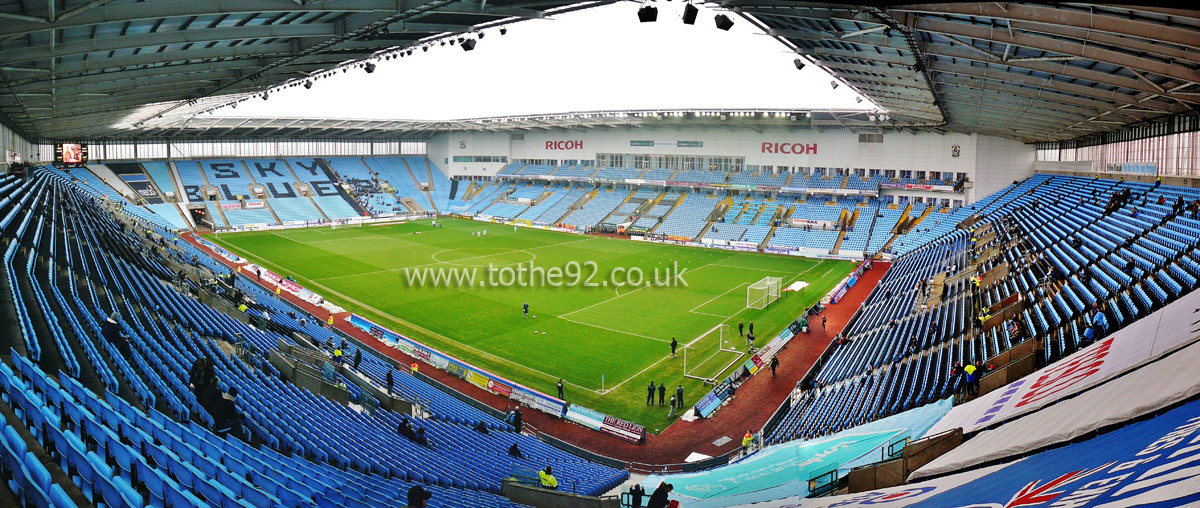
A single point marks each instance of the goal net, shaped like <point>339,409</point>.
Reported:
<point>762,293</point>
<point>711,354</point>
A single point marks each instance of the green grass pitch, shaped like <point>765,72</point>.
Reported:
<point>579,333</point>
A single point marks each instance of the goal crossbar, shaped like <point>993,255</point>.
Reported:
<point>723,346</point>
<point>763,293</point>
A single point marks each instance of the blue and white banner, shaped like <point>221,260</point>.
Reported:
<point>780,471</point>
<point>1151,463</point>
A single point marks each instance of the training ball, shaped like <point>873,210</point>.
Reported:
<point>543,333</point>
<point>535,332</point>
<point>534,317</point>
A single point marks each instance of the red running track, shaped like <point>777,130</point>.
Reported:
<point>755,402</point>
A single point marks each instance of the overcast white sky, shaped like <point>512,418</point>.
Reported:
<point>595,59</point>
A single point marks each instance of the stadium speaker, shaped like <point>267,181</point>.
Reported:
<point>503,30</point>
<point>833,84</point>
<point>648,14</point>
<point>468,44</point>
<point>858,99</point>
<point>689,14</point>
<point>370,67</point>
<point>723,22</point>
<point>799,63</point>
<point>308,85</point>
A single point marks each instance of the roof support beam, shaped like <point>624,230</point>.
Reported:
<point>139,11</point>
<point>150,40</point>
<point>941,52</point>
<point>990,74</point>
<point>1082,107</point>
<point>1065,17</point>
<point>22,17</point>
<point>864,31</point>
<point>1057,46</point>
<point>824,54</point>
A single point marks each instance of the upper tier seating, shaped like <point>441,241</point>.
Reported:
<point>228,176</point>
<point>688,218</point>
<point>597,209</point>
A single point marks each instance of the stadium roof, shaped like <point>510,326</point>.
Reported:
<point>103,68</point>
<point>204,127</point>
<point>1026,71</point>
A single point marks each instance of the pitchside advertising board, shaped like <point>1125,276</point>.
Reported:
<point>601,422</point>
<point>463,370</point>
<point>1164,331</point>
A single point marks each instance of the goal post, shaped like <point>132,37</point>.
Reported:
<point>763,293</point>
<point>712,353</point>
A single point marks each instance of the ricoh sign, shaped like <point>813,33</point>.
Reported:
<point>564,145</point>
<point>789,148</point>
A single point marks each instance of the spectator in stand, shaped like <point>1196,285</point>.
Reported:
<point>516,420</point>
<point>357,358</point>
<point>388,380</point>
<point>200,374</point>
<point>111,331</point>
<point>418,497</point>
<point>337,356</point>
<point>421,439</point>
<point>635,496</point>
<point>969,370</point>
<point>748,439</point>
<point>1099,322</point>
<point>406,429</point>
<point>659,499</point>
<point>979,372</point>
<point>956,376</point>
<point>547,480</point>
<point>515,452</point>
<point>226,419</point>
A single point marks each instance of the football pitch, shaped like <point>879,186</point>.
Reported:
<point>604,336</point>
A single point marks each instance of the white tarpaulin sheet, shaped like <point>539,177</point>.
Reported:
<point>796,286</point>
<point>892,497</point>
<point>1143,391</point>
<point>1145,340</point>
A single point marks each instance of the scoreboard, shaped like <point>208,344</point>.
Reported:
<point>70,154</point>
